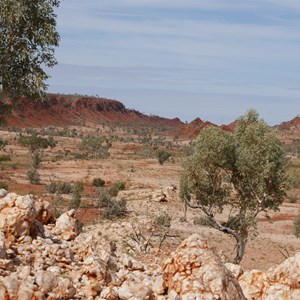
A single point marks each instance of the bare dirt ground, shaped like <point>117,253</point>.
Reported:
<point>144,177</point>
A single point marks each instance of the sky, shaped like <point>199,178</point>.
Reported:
<point>212,59</point>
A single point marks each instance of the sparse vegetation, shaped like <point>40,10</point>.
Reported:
<point>98,182</point>
<point>95,146</point>
<point>3,185</point>
<point>297,225</point>
<point>162,156</point>
<point>33,176</point>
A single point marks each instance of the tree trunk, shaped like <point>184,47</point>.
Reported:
<point>184,210</point>
<point>240,250</point>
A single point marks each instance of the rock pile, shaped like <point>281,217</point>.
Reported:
<point>41,258</point>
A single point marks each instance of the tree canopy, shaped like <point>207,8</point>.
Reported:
<point>28,37</point>
<point>237,175</point>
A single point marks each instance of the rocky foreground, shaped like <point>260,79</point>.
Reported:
<point>44,258</point>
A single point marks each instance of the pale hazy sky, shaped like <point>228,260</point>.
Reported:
<point>212,59</point>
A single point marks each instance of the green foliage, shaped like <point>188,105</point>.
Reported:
<point>162,156</point>
<point>4,157</point>
<point>95,146</point>
<point>60,187</point>
<point>27,40</point>
<point>3,185</point>
<point>75,201</point>
<point>244,171</point>
<point>297,226</point>
<point>36,143</point>
<point>163,220</point>
<point>78,186</point>
<point>5,111</point>
<point>98,182</point>
<point>115,209</point>
<point>104,197</point>
<point>33,176</point>
<point>116,187</point>
<point>3,143</point>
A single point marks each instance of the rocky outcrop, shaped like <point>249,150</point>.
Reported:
<point>70,110</point>
<point>41,259</point>
<point>17,214</point>
<point>193,270</point>
<point>280,282</point>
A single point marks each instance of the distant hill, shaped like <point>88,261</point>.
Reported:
<point>64,110</point>
<point>68,110</point>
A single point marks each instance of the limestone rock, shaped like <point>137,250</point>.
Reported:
<point>67,226</point>
<point>193,270</point>
<point>3,192</point>
<point>279,282</point>
<point>17,213</point>
<point>45,212</point>
<point>2,246</point>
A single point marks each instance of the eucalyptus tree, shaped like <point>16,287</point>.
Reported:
<point>28,38</point>
<point>232,177</point>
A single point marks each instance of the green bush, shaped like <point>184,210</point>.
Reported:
<point>163,220</point>
<point>297,226</point>
<point>162,156</point>
<point>116,208</point>
<point>98,182</point>
<point>60,187</point>
<point>75,201</point>
<point>33,176</point>
<point>78,186</point>
<point>5,157</point>
<point>104,197</point>
<point>3,185</point>
<point>116,187</point>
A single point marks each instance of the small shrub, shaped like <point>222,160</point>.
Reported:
<point>163,220</point>
<point>75,201</point>
<point>297,226</point>
<point>3,185</point>
<point>162,156</point>
<point>78,186</point>
<point>202,221</point>
<point>36,160</point>
<point>293,198</point>
<point>5,157</point>
<point>116,187</point>
<point>115,209</point>
<point>60,187</point>
<point>104,197</point>
<point>98,182</point>
<point>33,176</point>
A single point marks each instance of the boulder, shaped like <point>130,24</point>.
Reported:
<point>3,192</point>
<point>279,282</point>
<point>45,212</point>
<point>67,226</point>
<point>193,270</point>
<point>17,213</point>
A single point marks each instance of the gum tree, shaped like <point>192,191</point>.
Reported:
<point>232,177</point>
<point>28,37</point>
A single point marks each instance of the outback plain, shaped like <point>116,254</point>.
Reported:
<point>154,212</point>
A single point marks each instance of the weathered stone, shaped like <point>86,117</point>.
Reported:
<point>193,269</point>
<point>45,212</point>
<point>17,213</point>
<point>67,226</point>
<point>3,192</point>
<point>279,282</point>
